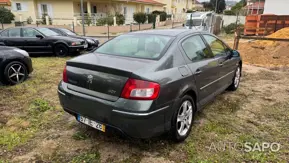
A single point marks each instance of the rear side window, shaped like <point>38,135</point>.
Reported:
<point>195,48</point>
<point>14,32</point>
<point>216,45</point>
<point>139,46</point>
<point>4,33</point>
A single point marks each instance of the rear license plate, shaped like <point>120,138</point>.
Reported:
<point>91,123</point>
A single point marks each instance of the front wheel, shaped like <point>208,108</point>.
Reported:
<point>236,80</point>
<point>61,50</point>
<point>15,72</point>
<point>183,119</point>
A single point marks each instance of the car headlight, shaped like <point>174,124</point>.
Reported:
<point>90,41</point>
<point>75,43</point>
<point>23,52</point>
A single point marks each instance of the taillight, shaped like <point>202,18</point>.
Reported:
<point>64,75</point>
<point>140,90</point>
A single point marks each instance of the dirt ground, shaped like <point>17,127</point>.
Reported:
<point>34,128</point>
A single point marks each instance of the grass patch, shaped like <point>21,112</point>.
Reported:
<point>79,136</point>
<point>87,157</point>
<point>19,130</point>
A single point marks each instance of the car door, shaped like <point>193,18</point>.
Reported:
<point>12,37</point>
<point>34,44</point>
<point>203,65</point>
<point>227,64</point>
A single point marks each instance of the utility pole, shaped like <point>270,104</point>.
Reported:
<point>82,14</point>
<point>216,8</point>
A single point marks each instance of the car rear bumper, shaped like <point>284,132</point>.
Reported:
<point>144,122</point>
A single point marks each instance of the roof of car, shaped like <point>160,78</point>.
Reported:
<point>166,32</point>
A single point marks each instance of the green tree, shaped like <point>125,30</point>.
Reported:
<point>221,5</point>
<point>6,16</point>
<point>140,18</point>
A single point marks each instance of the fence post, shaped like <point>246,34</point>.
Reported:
<point>114,21</point>
<point>130,27</point>
<point>47,20</point>
<point>107,31</point>
<point>237,39</point>
<point>73,27</point>
<point>172,20</point>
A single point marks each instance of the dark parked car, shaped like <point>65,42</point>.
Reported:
<point>41,41</point>
<point>146,83</point>
<point>15,65</point>
<point>92,42</point>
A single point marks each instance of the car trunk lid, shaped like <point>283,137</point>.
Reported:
<point>101,76</point>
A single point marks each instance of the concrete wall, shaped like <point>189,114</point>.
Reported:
<point>228,19</point>
<point>277,7</point>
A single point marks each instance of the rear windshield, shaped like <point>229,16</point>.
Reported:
<point>140,46</point>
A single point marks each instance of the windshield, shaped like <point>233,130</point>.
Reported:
<point>196,22</point>
<point>140,46</point>
<point>47,32</point>
<point>68,32</point>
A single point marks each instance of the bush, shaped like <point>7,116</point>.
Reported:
<point>44,19</point>
<point>151,18</point>
<point>229,12</point>
<point>105,21</point>
<point>140,17</point>
<point>120,19</point>
<point>190,11</point>
<point>29,20</point>
<point>229,29</point>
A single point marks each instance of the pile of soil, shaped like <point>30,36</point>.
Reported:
<point>267,53</point>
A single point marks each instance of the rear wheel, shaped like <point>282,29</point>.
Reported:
<point>61,50</point>
<point>15,72</point>
<point>183,119</point>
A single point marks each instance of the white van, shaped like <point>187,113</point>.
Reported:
<point>200,20</point>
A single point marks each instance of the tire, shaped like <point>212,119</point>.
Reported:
<point>182,120</point>
<point>15,72</point>
<point>236,80</point>
<point>61,50</point>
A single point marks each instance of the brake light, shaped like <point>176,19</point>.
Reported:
<point>140,90</point>
<point>64,75</point>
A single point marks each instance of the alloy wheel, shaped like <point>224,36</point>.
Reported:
<point>184,118</point>
<point>237,77</point>
<point>16,73</point>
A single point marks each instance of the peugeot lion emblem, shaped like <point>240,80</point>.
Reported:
<point>89,79</point>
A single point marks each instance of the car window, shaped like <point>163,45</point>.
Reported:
<point>140,46</point>
<point>4,33</point>
<point>195,48</point>
<point>216,45</point>
<point>29,32</point>
<point>68,32</point>
<point>56,31</point>
<point>14,32</point>
<point>47,32</point>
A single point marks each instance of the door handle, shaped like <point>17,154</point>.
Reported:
<point>198,71</point>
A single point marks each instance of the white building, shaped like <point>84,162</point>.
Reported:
<point>277,7</point>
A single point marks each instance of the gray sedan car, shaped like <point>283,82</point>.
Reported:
<point>149,82</point>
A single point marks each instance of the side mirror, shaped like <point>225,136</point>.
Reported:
<point>235,53</point>
<point>39,36</point>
